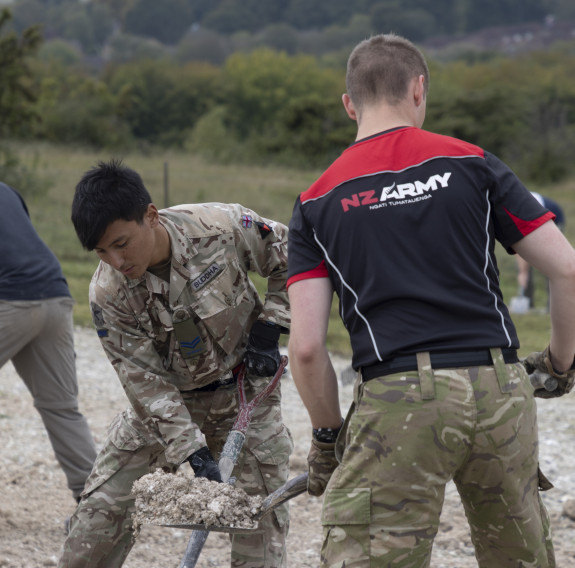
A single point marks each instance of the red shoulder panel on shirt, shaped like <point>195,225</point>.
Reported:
<point>390,151</point>
<point>526,227</point>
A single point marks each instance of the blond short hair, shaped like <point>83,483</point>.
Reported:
<point>381,68</point>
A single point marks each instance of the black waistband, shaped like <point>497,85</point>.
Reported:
<point>217,384</point>
<point>221,382</point>
<point>439,360</point>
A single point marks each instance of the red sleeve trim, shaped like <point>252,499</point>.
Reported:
<point>320,271</point>
<point>526,227</point>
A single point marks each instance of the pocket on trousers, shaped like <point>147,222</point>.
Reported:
<point>272,457</point>
<point>124,439</point>
<point>346,517</point>
<point>276,450</point>
<point>124,433</point>
<point>347,507</point>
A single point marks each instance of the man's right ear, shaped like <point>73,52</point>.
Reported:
<point>348,105</point>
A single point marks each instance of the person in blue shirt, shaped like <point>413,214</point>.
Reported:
<point>37,335</point>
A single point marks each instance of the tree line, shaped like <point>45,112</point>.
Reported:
<point>211,31</point>
<point>266,106</point>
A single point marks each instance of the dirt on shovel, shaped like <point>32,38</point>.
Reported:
<point>185,501</point>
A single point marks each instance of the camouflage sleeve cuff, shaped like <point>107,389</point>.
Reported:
<point>178,452</point>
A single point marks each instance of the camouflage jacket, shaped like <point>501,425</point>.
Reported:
<point>166,338</point>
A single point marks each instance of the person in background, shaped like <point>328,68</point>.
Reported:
<point>37,335</point>
<point>178,316</point>
<point>402,228</point>
<point>525,279</point>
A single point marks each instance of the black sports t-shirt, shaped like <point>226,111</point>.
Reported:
<point>404,224</point>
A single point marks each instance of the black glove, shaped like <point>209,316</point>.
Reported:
<point>204,465</point>
<point>262,356</point>
<point>541,361</point>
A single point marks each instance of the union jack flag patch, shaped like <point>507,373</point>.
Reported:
<point>247,221</point>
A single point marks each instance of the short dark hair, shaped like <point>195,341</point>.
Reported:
<point>106,193</point>
<point>381,67</point>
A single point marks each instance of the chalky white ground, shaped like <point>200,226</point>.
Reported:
<point>34,499</point>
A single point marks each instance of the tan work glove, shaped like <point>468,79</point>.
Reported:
<point>321,463</point>
<point>540,361</point>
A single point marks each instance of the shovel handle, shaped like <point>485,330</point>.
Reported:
<point>194,549</point>
<point>292,488</point>
<point>231,451</point>
<point>247,409</point>
<point>543,380</point>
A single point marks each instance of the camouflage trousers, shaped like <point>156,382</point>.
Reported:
<point>101,531</point>
<point>408,435</point>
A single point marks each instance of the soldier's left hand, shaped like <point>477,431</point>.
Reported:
<point>541,361</point>
<point>262,356</point>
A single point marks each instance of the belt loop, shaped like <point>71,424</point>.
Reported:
<point>357,385</point>
<point>425,370</point>
<point>500,369</point>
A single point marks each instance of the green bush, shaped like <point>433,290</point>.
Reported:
<point>211,139</point>
<point>88,122</point>
<point>25,179</point>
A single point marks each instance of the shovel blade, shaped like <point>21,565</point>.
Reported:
<point>291,488</point>
<point>213,528</point>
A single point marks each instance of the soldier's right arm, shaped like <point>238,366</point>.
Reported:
<point>157,402</point>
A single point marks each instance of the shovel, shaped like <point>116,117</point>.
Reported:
<point>543,380</point>
<point>230,454</point>
<point>291,488</point>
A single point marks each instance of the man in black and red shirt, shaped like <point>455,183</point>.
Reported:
<point>402,227</point>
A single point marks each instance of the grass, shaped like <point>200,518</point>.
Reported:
<point>176,177</point>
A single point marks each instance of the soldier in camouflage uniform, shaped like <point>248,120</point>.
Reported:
<point>177,315</point>
<point>402,228</point>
